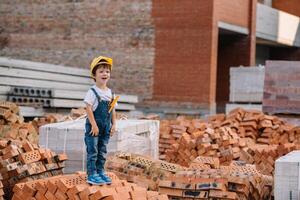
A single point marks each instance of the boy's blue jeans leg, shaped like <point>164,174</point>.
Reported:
<point>102,150</point>
<point>96,147</point>
<point>91,143</point>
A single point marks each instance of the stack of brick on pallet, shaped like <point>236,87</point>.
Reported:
<point>226,182</point>
<point>23,161</point>
<point>141,170</point>
<point>74,186</point>
<point>241,135</point>
<point>205,178</point>
<point>12,125</point>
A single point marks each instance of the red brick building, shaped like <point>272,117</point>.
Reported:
<point>171,53</point>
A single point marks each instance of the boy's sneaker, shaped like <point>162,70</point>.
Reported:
<point>95,180</point>
<point>105,178</point>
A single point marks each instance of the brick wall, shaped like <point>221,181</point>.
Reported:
<point>186,48</point>
<point>73,32</point>
<point>234,11</point>
<point>165,51</point>
<point>183,38</point>
<point>290,6</point>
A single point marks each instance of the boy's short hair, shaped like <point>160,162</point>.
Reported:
<point>103,65</point>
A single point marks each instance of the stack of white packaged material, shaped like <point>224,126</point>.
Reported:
<point>247,84</point>
<point>133,136</point>
<point>287,177</point>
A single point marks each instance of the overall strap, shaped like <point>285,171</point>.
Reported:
<point>112,96</point>
<point>98,97</point>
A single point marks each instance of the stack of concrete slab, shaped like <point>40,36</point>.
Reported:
<point>47,86</point>
<point>246,88</point>
<point>287,177</point>
<point>133,136</point>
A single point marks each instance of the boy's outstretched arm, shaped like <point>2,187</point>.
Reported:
<point>90,115</point>
<point>113,122</point>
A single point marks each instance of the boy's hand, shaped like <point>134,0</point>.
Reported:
<point>94,131</point>
<point>112,130</point>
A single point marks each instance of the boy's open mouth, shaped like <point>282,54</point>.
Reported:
<point>104,78</point>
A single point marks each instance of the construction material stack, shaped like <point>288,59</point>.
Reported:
<point>23,161</point>
<point>142,170</point>
<point>12,125</point>
<point>246,88</point>
<point>205,178</point>
<point>40,88</point>
<point>135,136</point>
<point>286,178</point>
<point>281,90</point>
<point>74,186</point>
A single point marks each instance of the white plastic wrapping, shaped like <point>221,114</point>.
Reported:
<point>133,136</point>
<point>287,177</point>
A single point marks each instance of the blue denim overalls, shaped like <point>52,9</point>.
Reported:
<point>96,145</point>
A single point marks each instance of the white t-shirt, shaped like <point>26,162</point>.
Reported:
<point>90,97</point>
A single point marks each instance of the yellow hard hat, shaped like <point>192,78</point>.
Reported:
<point>101,60</point>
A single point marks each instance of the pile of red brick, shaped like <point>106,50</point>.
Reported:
<point>23,161</point>
<point>242,135</point>
<point>55,117</point>
<point>9,113</point>
<point>224,183</point>
<point>74,186</point>
<point>167,135</point>
<point>12,126</point>
<point>150,116</point>
<point>141,170</point>
<point>205,178</point>
<point>1,189</point>
<point>47,119</point>
<point>264,156</point>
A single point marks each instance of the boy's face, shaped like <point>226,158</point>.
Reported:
<point>102,74</point>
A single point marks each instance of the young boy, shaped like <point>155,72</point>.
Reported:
<point>100,123</point>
